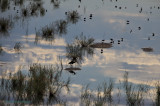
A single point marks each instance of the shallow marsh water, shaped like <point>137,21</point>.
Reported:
<point>133,26</point>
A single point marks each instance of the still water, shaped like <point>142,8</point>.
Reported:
<point>131,27</point>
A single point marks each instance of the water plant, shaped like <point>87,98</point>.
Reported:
<point>5,25</point>
<point>41,85</point>
<point>83,41</point>
<point>1,49</point>
<point>74,53</point>
<point>18,47</point>
<point>102,97</point>
<point>61,27</point>
<point>56,3</point>
<point>85,44</point>
<point>134,94</point>
<point>73,16</point>
<point>47,33</point>
<point>25,12</point>
<point>4,5</point>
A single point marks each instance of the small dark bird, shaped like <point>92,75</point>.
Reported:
<point>101,51</point>
<point>148,38</point>
<point>119,41</point>
<point>65,13</point>
<point>122,39</point>
<point>72,72</point>
<point>71,62</point>
<point>139,28</point>
<point>153,34</point>
<point>115,6</point>
<point>90,15</point>
<point>130,31</point>
<point>147,19</point>
<point>120,7</point>
<point>112,42</point>
<point>103,40</point>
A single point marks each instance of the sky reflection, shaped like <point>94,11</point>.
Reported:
<point>136,22</point>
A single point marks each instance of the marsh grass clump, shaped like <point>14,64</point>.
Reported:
<point>56,3</point>
<point>61,27</point>
<point>5,25</point>
<point>36,8</point>
<point>85,44</point>
<point>18,47</point>
<point>83,41</point>
<point>134,94</point>
<point>74,53</point>
<point>1,49</point>
<point>25,12</point>
<point>79,48</point>
<point>4,5</point>
<point>19,2</point>
<point>47,33</point>
<point>73,16</point>
<point>156,93</point>
<point>102,97</point>
<point>86,96</point>
<point>41,85</point>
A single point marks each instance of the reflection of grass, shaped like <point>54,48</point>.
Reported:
<point>42,84</point>
<point>73,16</point>
<point>25,12</point>
<point>157,95</point>
<point>61,26</point>
<point>56,3</point>
<point>79,49</point>
<point>101,98</point>
<point>18,47</point>
<point>47,33</point>
<point>73,52</point>
<point>85,44</point>
<point>1,49</point>
<point>83,41</point>
<point>4,4</point>
<point>5,25</point>
<point>134,94</point>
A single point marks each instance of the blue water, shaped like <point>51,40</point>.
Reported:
<point>108,21</point>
